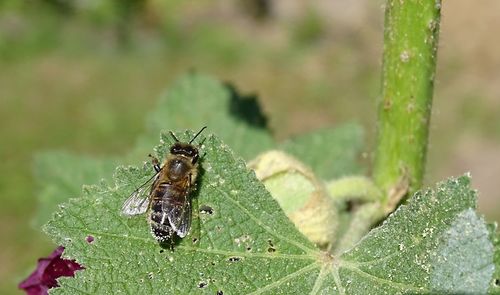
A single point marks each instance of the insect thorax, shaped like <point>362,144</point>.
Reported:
<point>179,168</point>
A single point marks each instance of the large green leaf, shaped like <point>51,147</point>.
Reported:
<point>436,243</point>
<point>197,100</point>
<point>331,152</point>
<point>193,101</point>
<point>246,232</point>
<point>60,176</point>
<point>495,282</point>
<point>247,245</point>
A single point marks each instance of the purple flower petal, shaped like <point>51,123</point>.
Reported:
<point>47,272</point>
<point>89,239</point>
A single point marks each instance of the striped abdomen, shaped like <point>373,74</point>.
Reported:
<point>165,195</point>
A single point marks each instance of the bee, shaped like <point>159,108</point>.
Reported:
<point>166,195</point>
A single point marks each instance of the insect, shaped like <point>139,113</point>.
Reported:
<point>166,195</point>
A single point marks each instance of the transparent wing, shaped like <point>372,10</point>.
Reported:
<point>178,210</point>
<point>138,201</point>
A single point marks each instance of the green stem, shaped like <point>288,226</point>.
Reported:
<point>361,221</point>
<point>404,109</point>
<point>358,188</point>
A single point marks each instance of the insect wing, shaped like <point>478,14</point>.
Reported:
<point>139,200</point>
<point>178,210</point>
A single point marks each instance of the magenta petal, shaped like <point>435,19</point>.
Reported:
<point>89,239</point>
<point>47,272</point>
<point>35,289</point>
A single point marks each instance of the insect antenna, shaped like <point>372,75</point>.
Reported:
<point>173,135</point>
<point>199,132</point>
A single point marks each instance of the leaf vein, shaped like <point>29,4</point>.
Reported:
<point>265,227</point>
<point>403,286</point>
<point>319,280</point>
<point>336,277</point>
<point>286,278</point>
<point>208,251</point>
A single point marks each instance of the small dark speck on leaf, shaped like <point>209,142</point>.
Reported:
<point>271,248</point>
<point>234,259</point>
<point>161,251</point>
<point>89,239</point>
<point>497,282</point>
<point>195,240</point>
<point>220,292</point>
<point>249,248</point>
<point>202,285</point>
<point>205,209</point>
<point>48,270</point>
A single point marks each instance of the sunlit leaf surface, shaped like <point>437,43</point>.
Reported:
<point>246,245</point>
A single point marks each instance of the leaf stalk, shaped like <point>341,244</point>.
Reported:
<point>404,107</point>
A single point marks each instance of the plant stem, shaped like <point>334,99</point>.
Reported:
<point>404,108</point>
<point>354,188</point>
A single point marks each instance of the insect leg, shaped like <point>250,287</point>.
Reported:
<point>171,241</point>
<point>155,162</point>
<point>190,179</point>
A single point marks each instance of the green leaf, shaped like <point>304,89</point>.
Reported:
<point>60,176</point>
<point>495,282</point>
<point>247,245</point>
<point>197,100</point>
<point>331,153</point>
<point>436,243</point>
<point>192,102</point>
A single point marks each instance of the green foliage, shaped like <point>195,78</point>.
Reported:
<point>331,153</point>
<point>60,176</point>
<point>197,100</point>
<point>495,282</point>
<point>194,101</point>
<point>309,29</point>
<point>246,232</point>
<point>20,42</point>
<point>434,243</point>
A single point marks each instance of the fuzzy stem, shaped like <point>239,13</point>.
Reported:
<point>358,188</point>
<point>404,108</point>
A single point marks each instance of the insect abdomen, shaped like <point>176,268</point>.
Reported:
<point>169,197</point>
<point>161,232</point>
<point>160,226</point>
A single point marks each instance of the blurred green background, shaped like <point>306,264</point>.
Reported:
<point>82,76</point>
